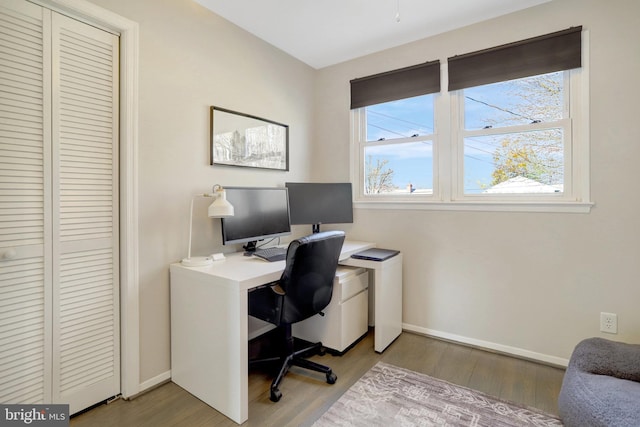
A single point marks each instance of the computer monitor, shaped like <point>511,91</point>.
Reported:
<point>318,203</point>
<point>260,213</point>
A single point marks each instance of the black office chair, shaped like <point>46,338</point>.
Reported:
<point>304,290</point>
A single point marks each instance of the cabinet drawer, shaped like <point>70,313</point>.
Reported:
<point>348,282</point>
<point>354,320</point>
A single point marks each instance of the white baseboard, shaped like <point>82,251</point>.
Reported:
<point>155,381</point>
<point>513,351</point>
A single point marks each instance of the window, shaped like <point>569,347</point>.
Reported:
<point>513,136</point>
<point>398,147</point>
<point>511,133</point>
<point>394,112</point>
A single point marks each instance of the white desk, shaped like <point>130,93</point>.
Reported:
<point>209,344</point>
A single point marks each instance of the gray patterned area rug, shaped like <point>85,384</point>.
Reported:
<point>391,396</point>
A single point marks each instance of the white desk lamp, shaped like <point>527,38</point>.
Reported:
<point>220,208</point>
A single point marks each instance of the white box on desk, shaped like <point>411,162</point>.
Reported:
<point>346,317</point>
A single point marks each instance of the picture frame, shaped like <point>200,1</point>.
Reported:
<point>239,139</point>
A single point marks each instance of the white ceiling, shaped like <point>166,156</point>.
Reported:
<point>326,32</point>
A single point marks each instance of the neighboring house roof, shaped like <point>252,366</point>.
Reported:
<point>520,184</point>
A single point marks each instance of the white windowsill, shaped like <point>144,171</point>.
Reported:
<point>485,206</point>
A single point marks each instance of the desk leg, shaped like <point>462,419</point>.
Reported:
<point>209,343</point>
<point>387,302</point>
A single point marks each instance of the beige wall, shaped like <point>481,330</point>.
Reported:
<point>530,283</point>
<point>534,283</point>
<point>191,59</point>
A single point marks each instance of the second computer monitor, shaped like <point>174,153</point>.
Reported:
<point>320,203</point>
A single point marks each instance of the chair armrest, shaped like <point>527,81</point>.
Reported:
<point>278,289</point>
<point>274,286</point>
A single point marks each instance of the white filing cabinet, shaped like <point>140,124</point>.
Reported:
<point>346,317</point>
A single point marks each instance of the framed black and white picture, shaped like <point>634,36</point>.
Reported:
<point>239,139</point>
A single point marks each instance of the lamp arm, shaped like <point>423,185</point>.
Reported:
<point>191,218</point>
<point>190,227</point>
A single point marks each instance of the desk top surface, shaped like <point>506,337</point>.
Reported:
<point>249,271</point>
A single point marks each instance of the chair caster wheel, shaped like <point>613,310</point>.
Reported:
<point>276,395</point>
<point>322,351</point>
<point>331,378</point>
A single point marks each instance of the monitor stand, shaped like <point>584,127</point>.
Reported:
<point>250,247</point>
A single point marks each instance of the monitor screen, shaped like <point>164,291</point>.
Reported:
<point>260,213</point>
<point>320,203</point>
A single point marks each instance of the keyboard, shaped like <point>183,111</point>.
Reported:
<point>271,254</point>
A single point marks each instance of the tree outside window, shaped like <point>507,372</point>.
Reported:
<point>514,136</point>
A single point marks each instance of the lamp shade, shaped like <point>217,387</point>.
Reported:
<point>220,207</point>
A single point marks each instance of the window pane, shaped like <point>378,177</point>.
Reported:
<point>515,102</point>
<point>525,163</point>
<point>399,168</point>
<point>400,119</point>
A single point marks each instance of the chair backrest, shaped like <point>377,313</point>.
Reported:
<point>308,275</point>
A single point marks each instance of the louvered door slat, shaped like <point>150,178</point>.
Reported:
<point>24,361</point>
<point>86,356</point>
<point>14,326</point>
<point>24,388</point>
<point>77,99</point>
<point>88,313</point>
<point>91,357</point>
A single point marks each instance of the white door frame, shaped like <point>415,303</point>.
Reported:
<point>129,303</point>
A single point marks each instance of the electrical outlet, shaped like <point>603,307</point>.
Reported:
<point>609,323</point>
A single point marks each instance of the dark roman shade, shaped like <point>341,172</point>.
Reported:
<point>403,83</point>
<point>539,55</point>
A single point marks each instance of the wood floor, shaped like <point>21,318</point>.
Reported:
<point>307,396</point>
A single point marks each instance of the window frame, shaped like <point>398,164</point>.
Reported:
<point>448,156</point>
<point>361,143</point>
<point>459,133</point>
